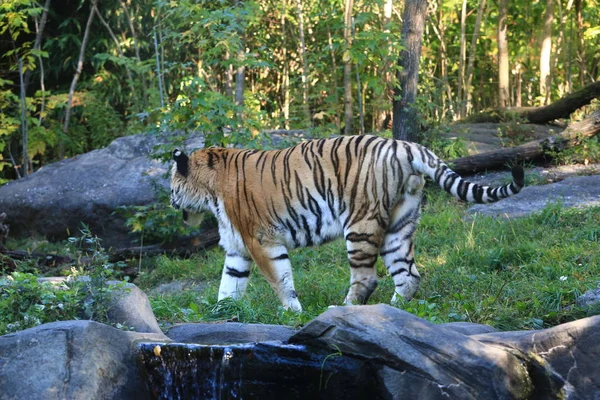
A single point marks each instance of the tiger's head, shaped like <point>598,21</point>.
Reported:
<point>192,181</point>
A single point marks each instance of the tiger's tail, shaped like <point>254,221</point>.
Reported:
<point>429,164</point>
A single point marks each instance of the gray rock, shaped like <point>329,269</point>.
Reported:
<point>416,359</point>
<point>88,188</point>
<point>469,328</point>
<point>71,360</point>
<point>130,307</point>
<point>127,305</point>
<point>228,333</point>
<point>578,191</point>
<point>176,287</point>
<point>571,351</point>
<point>591,298</point>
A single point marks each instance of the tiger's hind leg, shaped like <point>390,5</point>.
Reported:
<point>362,250</point>
<point>236,272</point>
<point>398,247</point>
<point>273,261</point>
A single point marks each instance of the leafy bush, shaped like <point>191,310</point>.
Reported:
<point>26,302</point>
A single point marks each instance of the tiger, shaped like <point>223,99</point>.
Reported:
<point>366,189</point>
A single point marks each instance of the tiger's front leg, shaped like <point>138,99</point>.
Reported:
<point>274,263</point>
<point>236,272</point>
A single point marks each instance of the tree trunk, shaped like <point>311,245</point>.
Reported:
<point>118,47</point>
<point>285,84</point>
<point>562,108</point>
<point>503,67</point>
<point>348,111</point>
<point>24,130</point>
<point>305,106</point>
<point>462,60</point>
<point>580,29</point>
<point>406,123</point>
<point>546,53</point>
<point>588,127</point>
<point>136,47</point>
<point>86,34</point>
<point>471,62</point>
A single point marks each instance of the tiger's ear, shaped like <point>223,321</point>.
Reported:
<point>182,161</point>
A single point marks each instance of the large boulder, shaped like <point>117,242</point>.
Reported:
<point>72,360</point>
<point>56,199</point>
<point>412,358</point>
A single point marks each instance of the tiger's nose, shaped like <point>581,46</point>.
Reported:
<point>174,204</point>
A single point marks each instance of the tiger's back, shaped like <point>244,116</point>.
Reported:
<point>364,188</point>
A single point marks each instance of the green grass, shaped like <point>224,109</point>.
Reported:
<point>512,274</point>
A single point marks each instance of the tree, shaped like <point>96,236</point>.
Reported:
<point>503,69</point>
<point>86,35</point>
<point>405,119</point>
<point>546,53</point>
<point>348,109</point>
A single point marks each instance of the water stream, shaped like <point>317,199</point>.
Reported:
<point>250,371</point>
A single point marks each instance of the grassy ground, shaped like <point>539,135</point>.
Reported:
<point>512,274</point>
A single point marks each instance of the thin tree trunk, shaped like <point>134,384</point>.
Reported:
<point>24,130</point>
<point>37,44</point>
<point>503,68</point>
<point>118,47</point>
<point>159,72</point>
<point>285,86</point>
<point>136,48</point>
<point>228,76</point>
<point>406,123</point>
<point>580,29</point>
<point>86,34</point>
<point>440,32</point>
<point>546,54</point>
<point>240,77</point>
<point>348,111</point>
<point>334,77</point>
<point>472,55</point>
<point>462,60</point>
<point>305,105</point>
<point>358,89</point>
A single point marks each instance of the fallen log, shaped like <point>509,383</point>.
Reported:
<point>562,108</point>
<point>530,151</point>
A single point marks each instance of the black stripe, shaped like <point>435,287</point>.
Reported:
<point>282,256</point>
<point>236,273</point>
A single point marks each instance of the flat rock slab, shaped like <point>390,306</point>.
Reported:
<point>577,191</point>
<point>228,333</point>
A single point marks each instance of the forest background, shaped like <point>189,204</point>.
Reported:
<point>76,74</point>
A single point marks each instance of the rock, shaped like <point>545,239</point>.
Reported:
<point>589,299</point>
<point>71,360</point>
<point>413,358</point>
<point>578,191</point>
<point>175,287</point>
<point>571,351</point>
<point>228,333</point>
<point>130,307</point>
<point>127,304</point>
<point>88,188</point>
<point>469,328</point>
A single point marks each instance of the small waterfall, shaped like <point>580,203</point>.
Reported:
<point>251,371</point>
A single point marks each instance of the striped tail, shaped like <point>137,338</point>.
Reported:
<point>429,164</point>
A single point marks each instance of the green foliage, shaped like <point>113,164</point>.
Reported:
<point>586,152</point>
<point>25,302</point>
<point>513,132</point>
<point>159,222</point>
